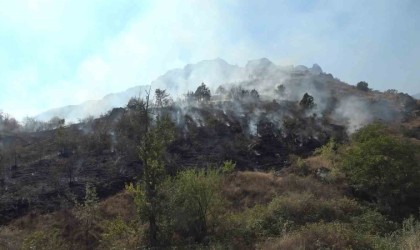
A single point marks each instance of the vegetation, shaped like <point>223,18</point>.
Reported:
<point>363,86</point>
<point>281,90</point>
<point>202,93</point>
<point>384,168</point>
<point>307,101</point>
<point>159,175</point>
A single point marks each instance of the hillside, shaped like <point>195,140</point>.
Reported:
<point>353,107</point>
<point>95,108</point>
<point>272,140</point>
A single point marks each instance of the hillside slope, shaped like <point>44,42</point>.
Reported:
<point>93,108</point>
<point>180,81</point>
<point>253,122</point>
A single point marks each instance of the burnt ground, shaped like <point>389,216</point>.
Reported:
<point>45,171</point>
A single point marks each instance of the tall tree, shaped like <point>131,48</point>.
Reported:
<point>363,86</point>
<point>161,97</point>
<point>151,152</point>
<point>202,93</point>
<point>87,214</point>
<point>307,101</point>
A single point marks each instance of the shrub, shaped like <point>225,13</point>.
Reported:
<point>228,167</point>
<point>324,236</point>
<point>307,101</point>
<point>299,166</point>
<point>383,168</point>
<point>44,240</point>
<point>408,237</point>
<point>373,223</point>
<point>89,229</point>
<point>289,212</point>
<point>195,203</point>
<point>363,86</point>
<point>119,234</point>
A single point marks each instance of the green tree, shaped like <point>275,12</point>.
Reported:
<point>196,202</point>
<point>384,168</point>
<point>307,101</point>
<point>161,97</point>
<point>87,214</point>
<point>363,86</point>
<point>151,152</point>
<point>202,93</point>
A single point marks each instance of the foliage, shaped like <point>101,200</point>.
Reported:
<point>325,236</point>
<point>139,199</point>
<point>151,153</point>
<point>119,234</point>
<point>408,237</point>
<point>373,223</point>
<point>8,123</point>
<point>363,86</point>
<point>228,167</point>
<point>280,90</point>
<point>383,168</point>
<point>391,91</point>
<point>161,98</point>
<point>87,214</point>
<point>238,93</point>
<point>202,93</point>
<point>307,101</point>
<point>289,212</point>
<point>44,240</point>
<point>98,140</point>
<point>299,166</point>
<point>195,203</point>
<point>131,128</point>
<point>329,151</point>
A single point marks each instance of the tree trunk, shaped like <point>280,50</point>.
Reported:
<point>153,230</point>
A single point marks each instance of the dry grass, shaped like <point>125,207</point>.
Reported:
<point>415,123</point>
<point>247,189</point>
<point>318,162</point>
<point>318,236</point>
<point>14,234</point>
<point>120,205</point>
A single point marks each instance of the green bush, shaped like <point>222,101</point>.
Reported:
<point>408,237</point>
<point>44,240</point>
<point>300,209</point>
<point>363,86</point>
<point>289,212</point>
<point>195,203</point>
<point>373,223</point>
<point>383,168</point>
<point>228,167</point>
<point>119,234</point>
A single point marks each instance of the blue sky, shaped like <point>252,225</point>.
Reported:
<point>60,52</point>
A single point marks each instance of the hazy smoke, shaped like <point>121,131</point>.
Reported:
<point>330,95</point>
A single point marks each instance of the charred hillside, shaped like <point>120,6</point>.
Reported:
<point>260,123</point>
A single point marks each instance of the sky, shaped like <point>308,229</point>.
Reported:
<point>59,52</point>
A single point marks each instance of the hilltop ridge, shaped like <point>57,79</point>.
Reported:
<point>178,81</point>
